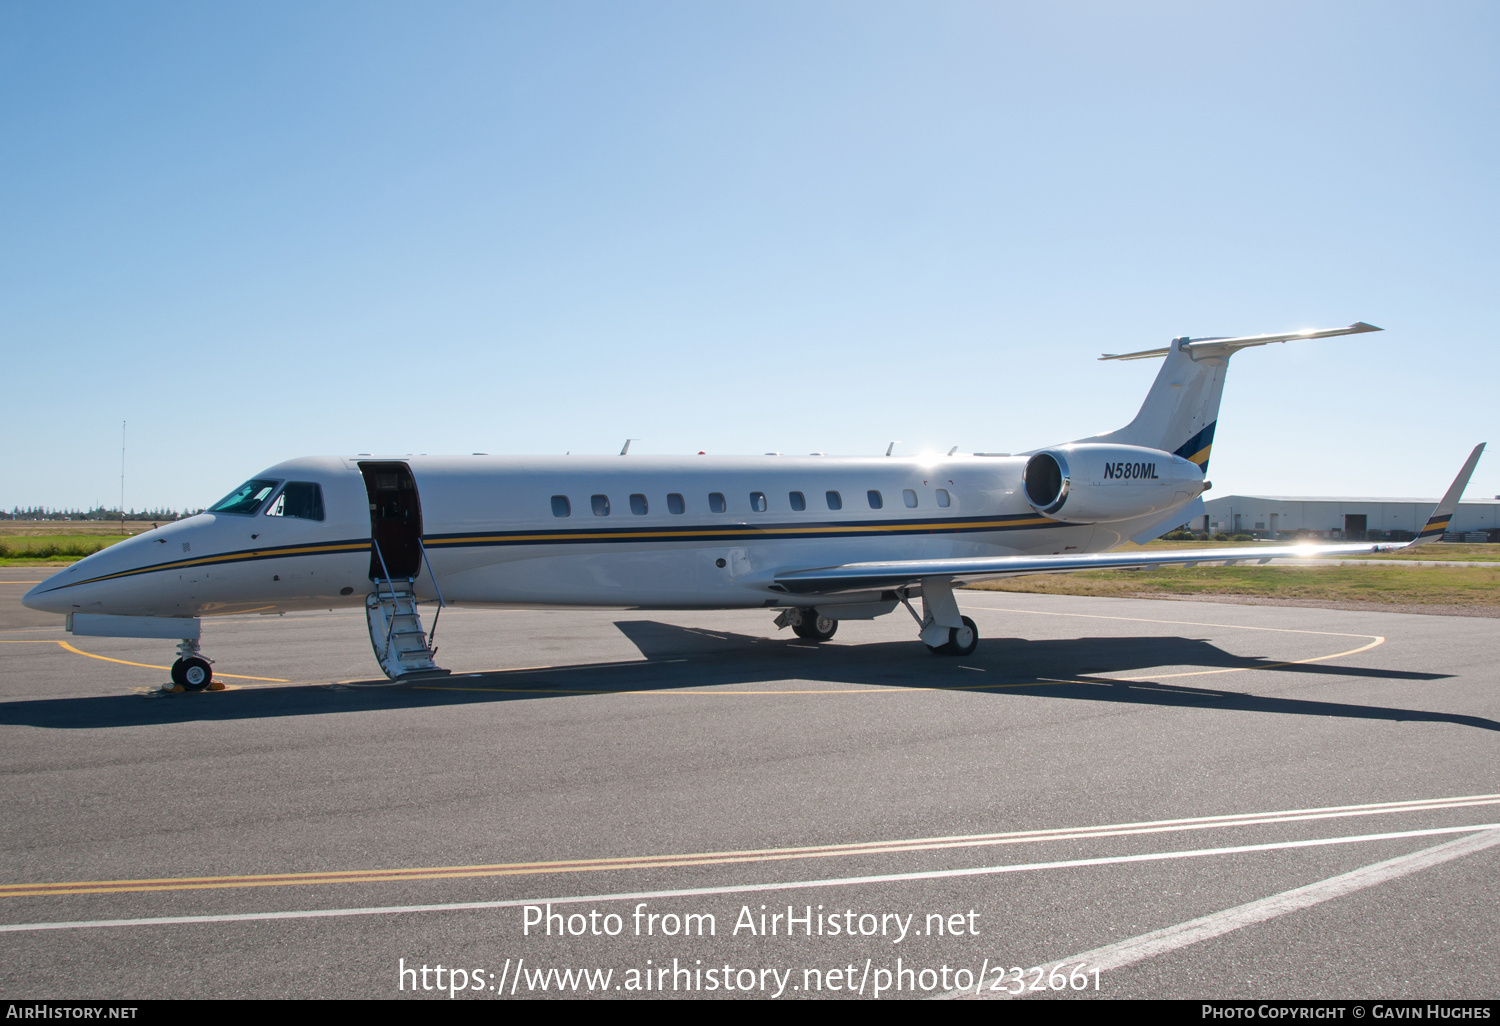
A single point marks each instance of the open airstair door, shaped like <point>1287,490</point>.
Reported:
<point>401,645</point>
<point>395,520</point>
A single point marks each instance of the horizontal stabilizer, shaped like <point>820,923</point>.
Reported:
<point>1225,346</point>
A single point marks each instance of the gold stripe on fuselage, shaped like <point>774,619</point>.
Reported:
<point>585,536</point>
<point>227,557</point>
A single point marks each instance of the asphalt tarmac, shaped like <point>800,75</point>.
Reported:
<point>1098,776</point>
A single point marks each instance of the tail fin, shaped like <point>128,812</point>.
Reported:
<point>1438,522</point>
<point>1182,408</point>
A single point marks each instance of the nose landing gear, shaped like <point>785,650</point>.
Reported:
<point>191,671</point>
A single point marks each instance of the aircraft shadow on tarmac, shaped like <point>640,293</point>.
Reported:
<point>680,657</point>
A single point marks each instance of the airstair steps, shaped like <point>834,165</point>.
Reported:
<point>401,644</point>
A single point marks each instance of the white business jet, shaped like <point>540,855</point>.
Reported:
<point>817,539</point>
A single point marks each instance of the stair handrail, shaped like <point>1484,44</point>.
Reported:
<point>391,625</point>
<point>384,569</point>
<point>441,604</point>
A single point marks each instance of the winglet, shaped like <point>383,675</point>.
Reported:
<point>1438,522</point>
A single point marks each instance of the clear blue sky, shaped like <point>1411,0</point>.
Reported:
<point>258,231</point>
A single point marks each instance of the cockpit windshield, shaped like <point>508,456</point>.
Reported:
<point>245,499</point>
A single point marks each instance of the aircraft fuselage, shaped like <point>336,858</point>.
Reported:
<point>630,532</point>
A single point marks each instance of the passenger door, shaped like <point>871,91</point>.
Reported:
<point>395,519</point>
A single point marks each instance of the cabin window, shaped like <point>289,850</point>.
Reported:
<point>909,497</point>
<point>300,499</point>
<point>942,498</point>
<point>638,504</point>
<point>835,501</point>
<point>600,504</point>
<point>561,507</point>
<point>245,499</point>
<point>716,502</point>
<point>675,503</point>
<point>758,501</point>
<point>876,502</point>
<point>798,502</point>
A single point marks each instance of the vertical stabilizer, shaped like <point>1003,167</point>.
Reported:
<point>1182,408</point>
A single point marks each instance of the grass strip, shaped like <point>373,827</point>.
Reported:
<point>66,547</point>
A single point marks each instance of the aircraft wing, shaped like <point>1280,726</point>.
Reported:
<point>904,573</point>
<point>901,573</point>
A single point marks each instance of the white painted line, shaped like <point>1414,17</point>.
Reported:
<point>1143,619</point>
<point>691,892</point>
<point>857,848</point>
<point>1157,942</point>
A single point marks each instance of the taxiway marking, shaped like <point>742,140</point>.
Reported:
<point>720,858</point>
<point>848,881</point>
<point>1158,942</point>
<point>1175,623</point>
<point>127,662</point>
<point>1374,641</point>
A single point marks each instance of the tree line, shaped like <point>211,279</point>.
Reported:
<point>97,513</point>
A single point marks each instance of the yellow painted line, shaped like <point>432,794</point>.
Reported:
<point>721,858</point>
<point>127,662</point>
<point>1264,666</point>
<point>901,689</point>
<point>665,691</point>
<point>1375,640</point>
<point>1175,623</point>
<point>891,689</point>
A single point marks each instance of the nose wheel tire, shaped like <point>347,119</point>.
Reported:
<point>815,626</point>
<point>962,641</point>
<point>192,674</point>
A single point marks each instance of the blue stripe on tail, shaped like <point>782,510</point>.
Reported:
<point>1196,449</point>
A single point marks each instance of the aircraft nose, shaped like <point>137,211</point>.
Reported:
<point>45,598</point>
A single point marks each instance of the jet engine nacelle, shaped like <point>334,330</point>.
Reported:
<point>1091,483</point>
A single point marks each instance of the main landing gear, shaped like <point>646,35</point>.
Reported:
<point>961,641</point>
<point>943,630</point>
<point>191,672</point>
<point>808,624</point>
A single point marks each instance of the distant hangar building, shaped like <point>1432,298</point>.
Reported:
<point>1284,516</point>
